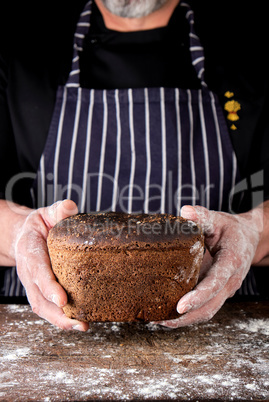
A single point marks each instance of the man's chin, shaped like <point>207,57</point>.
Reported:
<point>133,8</point>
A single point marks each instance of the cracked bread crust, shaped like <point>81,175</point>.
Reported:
<point>125,267</point>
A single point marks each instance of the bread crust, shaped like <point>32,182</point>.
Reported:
<point>125,267</point>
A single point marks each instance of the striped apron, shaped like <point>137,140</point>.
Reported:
<point>137,150</point>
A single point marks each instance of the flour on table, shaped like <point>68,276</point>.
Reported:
<point>183,371</point>
<point>255,325</point>
<point>16,308</point>
<point>16,355</point>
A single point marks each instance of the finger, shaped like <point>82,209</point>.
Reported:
<point>197,213</point>
<point>44,278</point>
<point>34,266</point>
<point>211,307</point>
<point>202,314</point>
<point>224,266</point>
<point>188,212</point>
<point>58,211</point>
<point>206,265</point>
<point>50,312</point>
<point>200,215</point>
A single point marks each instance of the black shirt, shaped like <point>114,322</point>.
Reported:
<point>151,58</point>
<point>36,57</point>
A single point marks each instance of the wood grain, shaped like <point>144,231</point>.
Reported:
<point>224,359</point>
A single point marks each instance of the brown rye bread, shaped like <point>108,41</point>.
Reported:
<point>125,267</point>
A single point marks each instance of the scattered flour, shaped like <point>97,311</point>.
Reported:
<point>115,327</point>
<point>57,377</point>
<point>205,379</point>
<point>255,325</point>
<point>251,386</point>
<point>17,354</point>
<point>186,375</point>
<point>18,308</point>
<point>196,247</point>
<point>152,327</point>
<point>96,381</point>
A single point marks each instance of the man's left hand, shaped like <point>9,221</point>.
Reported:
<point>231,242</point>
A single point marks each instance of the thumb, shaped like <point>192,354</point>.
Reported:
<point>58,211</point>
<point>200,215</point>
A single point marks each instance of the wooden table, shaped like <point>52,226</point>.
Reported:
<point>224,359</point>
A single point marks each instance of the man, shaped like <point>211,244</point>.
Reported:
<point>234,242</point>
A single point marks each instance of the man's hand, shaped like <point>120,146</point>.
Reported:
<point>232,246</point>
<point>44,293</point>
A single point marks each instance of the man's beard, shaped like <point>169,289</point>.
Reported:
<point>133,8</point>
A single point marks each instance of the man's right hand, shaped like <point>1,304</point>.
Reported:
<point>44,293</point>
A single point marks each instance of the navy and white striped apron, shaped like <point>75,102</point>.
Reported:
<point>137,150</point>
<point>146,150</point>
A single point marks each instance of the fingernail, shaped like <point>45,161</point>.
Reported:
<point>52,208</point>
<point>78,328</point>
<point>56,300</point>
<point>69,206</point>
<point>183,309</point>
<point>187,211</point>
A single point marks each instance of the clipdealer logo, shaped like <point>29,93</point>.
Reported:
<point>253,186</point>
<point>149,198</point>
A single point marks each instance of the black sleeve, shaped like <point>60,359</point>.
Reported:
<point>234,36</point>
<point>35,56</point>
<point>263,145</point>
<point>8,159</point>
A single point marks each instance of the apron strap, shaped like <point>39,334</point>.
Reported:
<point>82,29</point>
<point>196,49</point>
<point>83,25</point>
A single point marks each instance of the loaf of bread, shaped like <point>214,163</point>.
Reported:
<point>125,267</point>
